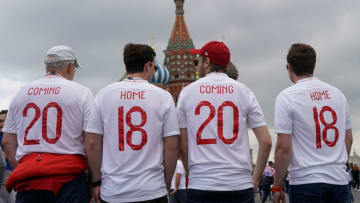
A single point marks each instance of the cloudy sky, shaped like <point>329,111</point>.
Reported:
<point>258,34</point>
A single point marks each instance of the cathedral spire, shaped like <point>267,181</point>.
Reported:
<point>180,37</point>
<point>179,7</point>
<point>178,60</point>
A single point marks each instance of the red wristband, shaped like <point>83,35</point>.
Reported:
<point>276,188</point>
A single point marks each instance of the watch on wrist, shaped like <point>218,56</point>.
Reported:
<point>95,183</point>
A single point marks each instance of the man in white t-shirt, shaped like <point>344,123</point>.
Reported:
<point>43,134</point>
<point>178,192</point>
<point>214,115</point>
<point>131,139</point>
<point>312,120</point>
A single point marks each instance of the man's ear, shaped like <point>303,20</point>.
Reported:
<point>146,67</point>
<point>68,69</point>
<point>207,60</point>
<point>290,68</point>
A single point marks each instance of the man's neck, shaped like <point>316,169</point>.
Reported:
<point>297,78</point>
<point>58,73</point>
<point>137,75</point>
<point>218,71</point>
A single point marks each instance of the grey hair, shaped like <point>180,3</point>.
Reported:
<point>59,64</point>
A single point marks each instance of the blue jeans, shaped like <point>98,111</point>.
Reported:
<point>350,193</point>
<point>319,193</point>
<point>76,191</point>
<point>266,194</point>
<point>179,197</point>
<point>238,196</point>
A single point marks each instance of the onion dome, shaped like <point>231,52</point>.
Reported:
<point>161,75</point>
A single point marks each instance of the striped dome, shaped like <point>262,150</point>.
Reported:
<point>161,75</point>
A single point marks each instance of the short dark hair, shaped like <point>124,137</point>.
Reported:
<point>217,68</point>
<point>3,112</point>
<point>136,56</point>
<point>213,67</point>
<point>302,58</point>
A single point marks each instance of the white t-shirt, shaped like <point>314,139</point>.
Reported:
<point>132,163</point>
<point>179,169</point>
<point>316,115</point>
<point>49,115</point>
<point>217,112</point>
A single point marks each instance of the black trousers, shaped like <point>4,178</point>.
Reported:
<point>205,196</point>
<point>76,191</point>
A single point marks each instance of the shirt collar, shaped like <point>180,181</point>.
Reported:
<point>307,79</point>
<point>217,74</point>
<point>134,79</point>
<point>52,74</point>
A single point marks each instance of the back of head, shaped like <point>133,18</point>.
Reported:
<point>270,163</point>
<point>136,56</point>
<point>3,112</point>
<point>302,58</point>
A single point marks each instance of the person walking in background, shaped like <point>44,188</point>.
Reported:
<point>355,175</point>
<point>352,176</point>
<point>348,170</point>
<point>268,180</point>
<point>178,191</point>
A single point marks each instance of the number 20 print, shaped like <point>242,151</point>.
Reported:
<point>220,122</point>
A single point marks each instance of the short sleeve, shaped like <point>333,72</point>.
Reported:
<point>170,126</point>
<point>348,120</point>
<point>179,167</point>
<point>10,121</point>
<point>95,122</point>
<point>87,105</point>
<point>283,115</point>
<point>180,111</point>
<point>255,116</point>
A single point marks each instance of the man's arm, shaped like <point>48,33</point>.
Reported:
<point>348,141</point>
<point>9,143</point>
<point>171,152</point>
<point>177,182</point>
<point>184,148</point>
<point>263,136</point>
<point>282,157</point>
<point>94,148</point>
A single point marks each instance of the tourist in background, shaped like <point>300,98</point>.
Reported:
<point>355,175</point>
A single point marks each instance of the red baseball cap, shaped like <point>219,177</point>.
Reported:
<point>218,53</point>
